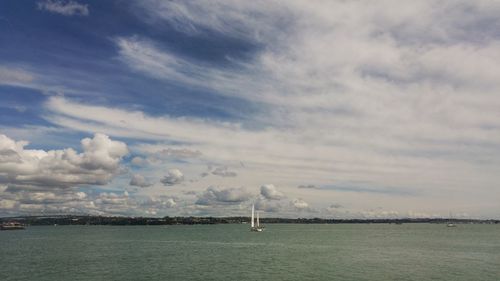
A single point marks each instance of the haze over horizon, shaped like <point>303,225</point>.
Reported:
<point>345,109</point>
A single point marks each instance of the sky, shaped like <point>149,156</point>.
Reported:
<point>333,109</point>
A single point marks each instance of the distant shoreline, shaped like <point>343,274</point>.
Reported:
<point>105,220</point>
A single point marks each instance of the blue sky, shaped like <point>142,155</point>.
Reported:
<point>304,108</point>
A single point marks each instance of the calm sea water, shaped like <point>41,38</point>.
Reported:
<point>231,252</point>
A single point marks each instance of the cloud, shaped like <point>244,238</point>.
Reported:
<point>145,56</point>
<point>270,192</point>
<point>65,8</point>
<point>152,156</point>
<point>8,205</point>
<point>336,209</point>
<point>223,171</point>
<point>49,197</point>
<point>309,186</point>
<point>158,203</point>
<point>299,204</point>
<point>70,201</point>
<point>139,180</point>
<point>268,206</point>
<point>176,153</point>
<point>169,203</point>
<point>336,206</point>
<point>244,20</point>
<point>139,161</point>
<point>173,177</point>
<point>215,196</point>
<point>386,214</point>
<point>22,168</point>
<point>15,76</point>
<point>373,189</point>
<point>115,203</point>
<point>37,202</point>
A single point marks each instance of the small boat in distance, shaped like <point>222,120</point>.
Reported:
<point>450,223</point>
<point>12,226</point>
<point>255,226</point>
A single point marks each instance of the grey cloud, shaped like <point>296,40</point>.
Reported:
<point>270,192</point>
<point>112,203</point>
<point>111,198</point>
<point>8,206</point>
<point>54,197</point>
<point>156,156</point>
<point>299,204</point>
<point>56,201</point>
<point>176,153</point>
<point>215,195</point>
<point>398,191</point>
<point>173,177</point>
<point>50,197</point>
<point>190,192</point>
<point>139,180</point>
<point>223,171</point>
<point>158,203</point>
<point>139,161</point>
<point>9,155</point>
<point>169,203</point>
<point>69,201</point>
<point>309,186</point>
<point>268,206</point>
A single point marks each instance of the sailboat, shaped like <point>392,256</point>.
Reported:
<point>255,226</point>
<point>450,223</point>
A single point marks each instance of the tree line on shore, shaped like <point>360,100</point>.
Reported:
<point>119,220</point>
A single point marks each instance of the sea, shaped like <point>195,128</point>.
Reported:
<point>231,252</point>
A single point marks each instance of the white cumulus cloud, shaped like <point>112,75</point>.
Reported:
<point>22,168</point>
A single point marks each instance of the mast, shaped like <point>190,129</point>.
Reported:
<point>253,215</point>
<point>257,219</point>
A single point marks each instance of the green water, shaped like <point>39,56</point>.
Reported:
<point>231,252</point>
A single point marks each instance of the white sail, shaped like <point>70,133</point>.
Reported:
<point>257,219</point>
<point>252,216</point>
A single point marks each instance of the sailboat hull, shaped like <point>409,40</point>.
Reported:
<point>255,226</point>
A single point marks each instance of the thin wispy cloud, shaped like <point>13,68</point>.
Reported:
<point>13,76</point>
<point>380,190</point>
<point>65,8</point>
